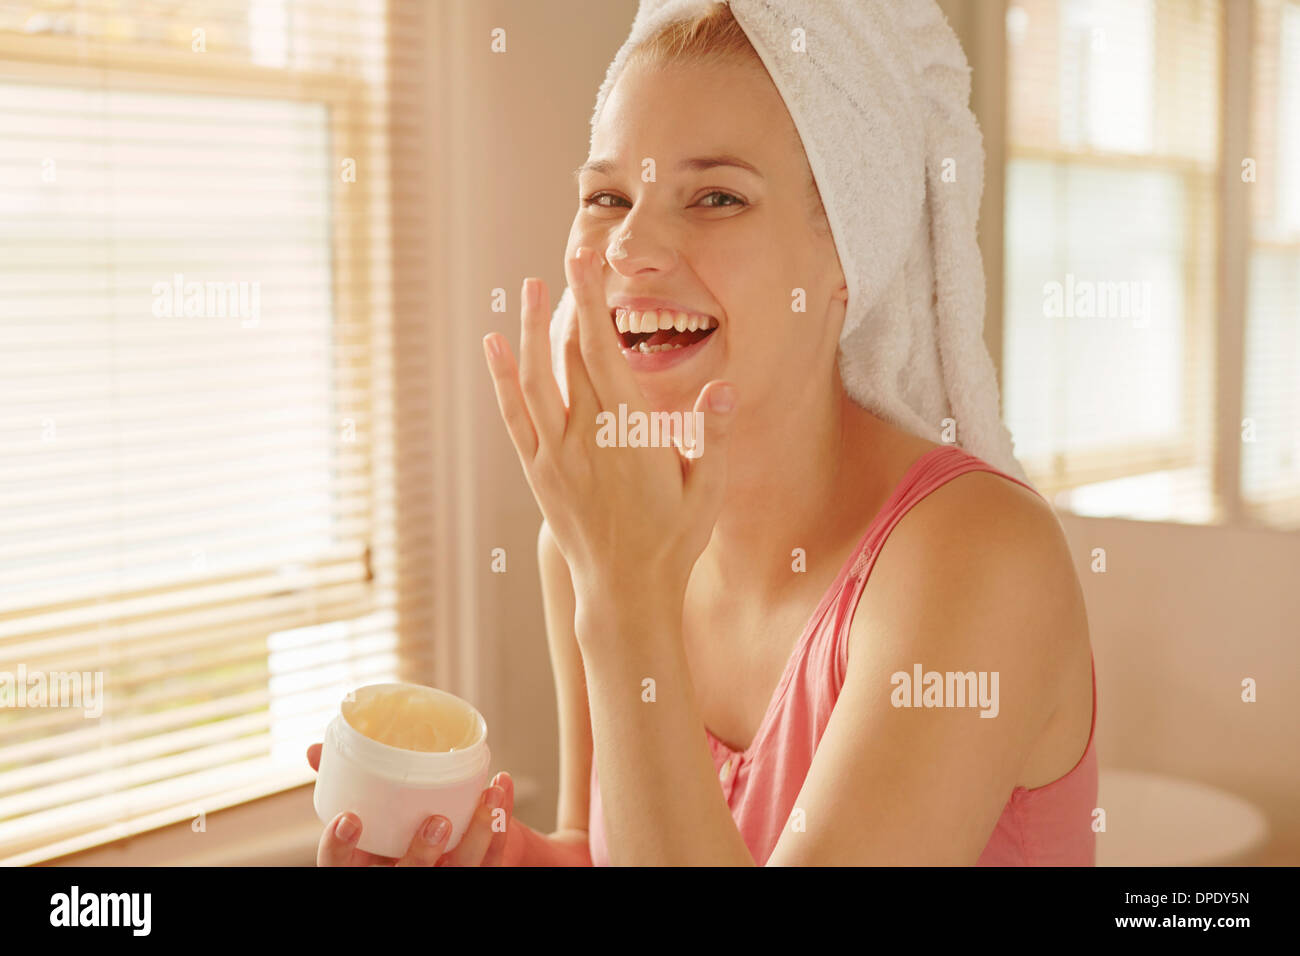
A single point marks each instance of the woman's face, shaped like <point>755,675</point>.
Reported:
<point>718,240</point>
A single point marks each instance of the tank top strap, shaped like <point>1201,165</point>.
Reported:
<point>928,473</point>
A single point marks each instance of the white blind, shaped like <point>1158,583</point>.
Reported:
<point>1270,460</point>
<point>1113,112</point>
<point>198,392</point>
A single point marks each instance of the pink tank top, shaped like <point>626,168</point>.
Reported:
<point>1049,825</point>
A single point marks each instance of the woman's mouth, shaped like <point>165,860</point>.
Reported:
<point>661,330</point>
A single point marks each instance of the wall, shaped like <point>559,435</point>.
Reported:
<point>1180,617</point>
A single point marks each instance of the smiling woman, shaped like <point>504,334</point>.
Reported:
<point>722,209</point>
<point>843,341</point>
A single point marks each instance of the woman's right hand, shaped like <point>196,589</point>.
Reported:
<point>480,845</point>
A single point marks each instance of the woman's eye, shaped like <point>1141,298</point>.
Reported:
<point>592,199</point>
<point>737,201</point>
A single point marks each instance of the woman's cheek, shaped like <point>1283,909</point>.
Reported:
<point>588,238</point>
<point>587,232</point>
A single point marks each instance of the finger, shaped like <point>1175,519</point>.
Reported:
<point>706,473</point>
<point>496,851</point>
<point>536,379</point>
<point>338,844</point>
<point>610,376</point>
<point>428,843</point>
<point>583,402</point>
<point>473,845</point>
<point>510,399</point>
<point>313,756</point>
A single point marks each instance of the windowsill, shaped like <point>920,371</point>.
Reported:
<point>1180,496</point>
<point>279,830</point>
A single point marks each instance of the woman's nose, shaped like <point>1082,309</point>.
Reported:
<point>632,250</point>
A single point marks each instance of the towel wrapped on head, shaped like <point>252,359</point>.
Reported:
<point>878,91</point>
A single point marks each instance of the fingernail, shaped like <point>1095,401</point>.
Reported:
<point>494,797</point>
<point>531,293</point>
<point>346,829</point>
<point>493,345</point>
<point>722,398</point>
<point>436,830</point>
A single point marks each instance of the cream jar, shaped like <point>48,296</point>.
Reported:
<point>396,754</point>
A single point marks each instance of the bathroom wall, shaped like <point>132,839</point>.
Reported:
<point>1181,616</point>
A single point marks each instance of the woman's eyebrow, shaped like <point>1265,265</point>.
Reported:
<point>697,163</point>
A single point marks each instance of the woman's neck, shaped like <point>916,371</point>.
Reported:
<point>802,479</point>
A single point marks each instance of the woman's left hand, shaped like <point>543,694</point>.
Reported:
<point>485,842</point>
<point>625,519</point>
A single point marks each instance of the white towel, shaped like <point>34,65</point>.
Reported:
<point>879,96</point>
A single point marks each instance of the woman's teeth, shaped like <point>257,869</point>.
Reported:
<point>654,321</point>
<point>661,320</point>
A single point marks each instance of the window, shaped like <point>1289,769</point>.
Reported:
<point>1270,455</point>
<point>1110,284</point>
<point>1136,382</point>
<point>198,552</point>
<point>1122,332</point>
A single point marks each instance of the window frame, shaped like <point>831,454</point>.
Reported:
<point>85,63</point>
<point>1216,331</point>
<point>1061,472</point>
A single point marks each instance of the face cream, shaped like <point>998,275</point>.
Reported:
<point>396,754</point>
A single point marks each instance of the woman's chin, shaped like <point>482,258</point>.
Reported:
<point>678,396</point>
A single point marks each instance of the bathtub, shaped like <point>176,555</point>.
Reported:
<point>1158,820</point>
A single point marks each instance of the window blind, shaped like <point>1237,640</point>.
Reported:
<point>1110,283</point>
<point>1270,459</point>
<point>201,374</point>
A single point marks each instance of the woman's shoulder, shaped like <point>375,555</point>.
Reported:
<point>973,521</point>
<point>984,516</point>
<point>972,498</point>
<point>983,542</point>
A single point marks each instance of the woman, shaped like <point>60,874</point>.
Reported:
<point>731,691</point>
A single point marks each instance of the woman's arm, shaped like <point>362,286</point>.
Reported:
<point>977,577</point>
<point>659,804</point>
<point>567,846</point>
<point>659,789</point>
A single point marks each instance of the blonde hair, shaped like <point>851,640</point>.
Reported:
<point>713,36</point>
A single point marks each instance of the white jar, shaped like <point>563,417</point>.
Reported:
<point>393,790</point>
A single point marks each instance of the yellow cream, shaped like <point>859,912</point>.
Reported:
<point>411,718</point>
